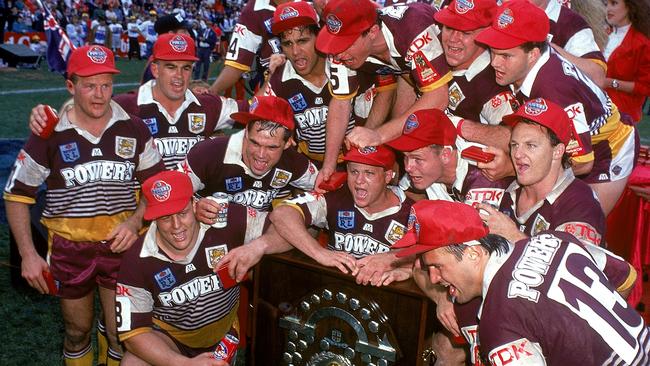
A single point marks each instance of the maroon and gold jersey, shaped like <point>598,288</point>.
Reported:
<point>216,166</point>
<point>310,105</point>
<point>412,39</point>
<point>596,119</point>
<point>475,95</point>
<point>184,298</point>
<point>546,302</point>
<point>252,36</point>
<point>571,31</point>
<point>352,229</point>
<point>197,118</point>
<point>91,181</point>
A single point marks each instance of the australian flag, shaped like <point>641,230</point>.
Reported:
<point>59,46</point>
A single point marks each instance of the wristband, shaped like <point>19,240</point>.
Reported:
<point>459,127</point>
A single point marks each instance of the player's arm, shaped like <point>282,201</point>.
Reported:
<point>373,268</point>
<point>338,116</point>
<point>153,349</point>
<point>32,265</point>
<point>227,78</point>
<point>590,67</point>
<point>438,294</point>
<point>290,224</point>
<point>381,107</point>
<point>500,223</point>
<point>489,135</point>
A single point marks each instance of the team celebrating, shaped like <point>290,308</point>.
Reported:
<point>473,146</point>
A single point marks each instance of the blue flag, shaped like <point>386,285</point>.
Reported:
<point>59,46</point>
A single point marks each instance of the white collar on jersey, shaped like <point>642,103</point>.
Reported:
<point>151,249</point>
<point>553,9</point>
<point>492,266</point>
<point>234,152</point>
<point>289,73</point>
<point>145,96</point>
<point>529,80</point>
<point>263,4</point>
<point>481,62</point>
<point>118,114</point>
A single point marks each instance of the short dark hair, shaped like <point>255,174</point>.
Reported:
<point>272,127</point>
<point>529,46</point>
<point>492,243</point>
<point>312,28</point>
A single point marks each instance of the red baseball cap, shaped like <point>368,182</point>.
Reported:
<point>547,114</point>
<point>174,47</point>
<point>423,128</point>
<point>438,223</point>
<point>167,193</point>
<point>91,60</point>
<point>267,108</point>
<point>293,14</point>
<point>467,15</point>
<point>345,20</point>
<point>516,22</point>
<point>372,155</point>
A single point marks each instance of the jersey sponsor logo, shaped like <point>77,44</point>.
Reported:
<point>411,124</point>
<point>121,290</point>
<point>152,125</point>
<point>456,95</point>
<point>505,19</point>
<point>125,147</point>
<point>176,146</point>
<point>190,268</point>
<point>108,171</point>
<point>358,245</point>
<point>514,352</point>
<point>582,231</point>
<point>463,6</point>
<point>423,69</point>
<point>532,266</point>
<point>298,102</point>
<point>69,152</point>
<point>258,199</point>
<point>281,178</point>
<point>96,152</point>
<point>418,43</point>
<point>288,13</point>
<point>190,290</point>
<point>333,23</point>
<point>214,254</point>
<point>239,29</point>
<point>161,190</point>
<point>234,184</point>
<point>535,107</point>
<point>540,224</point>
<point>165,279</point>
<point>491,196</point>
<point>471,335</point>
<point>345,219</point>
<point>395,232</point>
<point>96,54</point>
<point>178,44</point>
<point>196,122</point>
<point>312,117</point>
<point>367,227</point>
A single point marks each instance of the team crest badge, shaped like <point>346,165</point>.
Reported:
<point>333,23</point>
<point>69,152</point>
<point>254,104</point>
<point>535,107</point>
<point>160,190</point>
<point>423,68</point>
<point>463,6</point>
<point>179,44</point>
<point>395,232</point>
<point>505,19</point>
<point>196,122</point>
<point>214,254</point>
<point>539,225</point>
<point>234,184</point>
<point>455,96</point>
<point>411,124</point>
<point>97,55</point>
<point>165,279</point>
<point>280,178</point>
<point>125,147</point>
<point>152,125</point>
<point>345,219</point>
<point>288,13</point>
<point>297,102</point>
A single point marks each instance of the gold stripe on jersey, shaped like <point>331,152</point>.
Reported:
<point>600,63</point>
<point>237,65</point>
<point>304,149</point>
<point>205,336</point>
<point>443,80</point>
<point>629,281</point>
<point>18,198</point>
<point>342,97</point>
<point>85,228</point>
<point>294,206</point>
<point>581,159</point>
<point>614,131</point>
<point>134,332</point>
<point>391,86</point>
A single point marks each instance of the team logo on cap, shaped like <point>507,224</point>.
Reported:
<point>535,107</point>
<point>178,43</point>
<point>288,13</point>
<point>333,23</point>
<point>411,124</point>
<point>505,19</point>
<point>97,55</point>
<point>463,6</point>
<point>254,105</point>
<point>367,150</point>
<point>413,222</point>
<point>160,190</point>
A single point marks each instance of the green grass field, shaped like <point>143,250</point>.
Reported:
<point>31,330</point>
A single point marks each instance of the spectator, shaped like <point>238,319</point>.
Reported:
<point>207,41</point>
